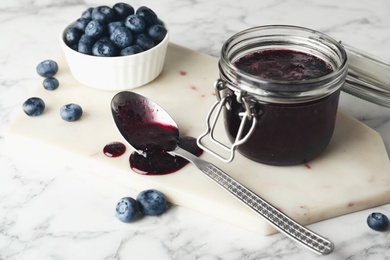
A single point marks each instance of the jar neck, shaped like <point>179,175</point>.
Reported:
<point>287,38</point>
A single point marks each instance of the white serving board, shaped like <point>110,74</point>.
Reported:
<point>352,174</point>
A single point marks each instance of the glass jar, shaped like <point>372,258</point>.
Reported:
<point>273,121</point>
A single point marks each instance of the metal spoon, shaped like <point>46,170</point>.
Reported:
<point>149,112</point>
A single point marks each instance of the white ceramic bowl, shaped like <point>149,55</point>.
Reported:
<point>116,73</point>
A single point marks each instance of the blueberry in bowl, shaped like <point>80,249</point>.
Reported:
<point>115,48</point>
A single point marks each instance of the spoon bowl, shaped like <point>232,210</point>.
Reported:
<point>149,128</point>
<point>143,123</point>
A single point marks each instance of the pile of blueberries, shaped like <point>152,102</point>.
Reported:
<point>115,31</point>
<point>149,202</point>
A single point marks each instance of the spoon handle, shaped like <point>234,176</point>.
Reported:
<point>275,217</point>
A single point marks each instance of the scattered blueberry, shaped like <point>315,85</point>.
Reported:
<point>71,112</point>
<point>121,37</point>
<point>47,68</point>
<point>152,202</point>
<point>33,106</point>
<point>103,14</point>
<point>133,49</point>
<point>104,48</point>
<point>122,10</point>
<point>144,41</point>
<point>135,23</point>
<point>148,14</point>
<point>95,29</point>
<point>127,210</point>
<point>85,44</point>
<point>378,221</point>
<point>157,32</point>
<point>50,83</point>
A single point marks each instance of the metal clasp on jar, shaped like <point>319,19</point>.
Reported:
<point>222,101</point>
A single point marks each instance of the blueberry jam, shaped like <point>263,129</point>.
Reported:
<point>158,162</point>
<point>114,149</point>
<point>145,129</point>
<point>283,64</point>
<point>285,134</point>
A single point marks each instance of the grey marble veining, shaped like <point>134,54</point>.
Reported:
<point>54,212</point>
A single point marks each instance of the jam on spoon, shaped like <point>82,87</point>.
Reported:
<point>146,127</point>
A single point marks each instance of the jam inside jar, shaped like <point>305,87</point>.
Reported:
<point>285,134</point>
<point>285,81</point>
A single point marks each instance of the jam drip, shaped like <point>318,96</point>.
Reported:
<point>145,129</point>
<point>157,162</point>
<point>114,149</point>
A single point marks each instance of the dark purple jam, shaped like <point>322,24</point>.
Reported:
<point>114,149</point>
<point>139,125</point>
<point>158,163</point>
<point>285,134</point>
<point>283,65</point>
<point>141,128</point>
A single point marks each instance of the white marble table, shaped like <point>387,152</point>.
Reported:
<point>53,212</point>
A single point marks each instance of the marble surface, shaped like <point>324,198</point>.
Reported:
<point>54,212</point>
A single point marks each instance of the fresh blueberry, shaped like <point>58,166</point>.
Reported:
<point>113,25</point>
<point>378,221</point>
<point>50,83</point>
<point>104,14</point>
<point>71,112</point>
<point>81,23</point>
<point>87,14</point>
<point>33,106</point>
<point>85,44</point>
<point>72,36</point>
<point>157,33</point>
<point>127,210</point>
<point>122,10</point>
<point>148,14</point>
<point>121,37</point>
<point>133,49</point>
<point>135,23</point>
<point>104,48</point>
<point>47,68</point>
<point>95,29</point>
<point>152,202</point>
<point>144,41</point>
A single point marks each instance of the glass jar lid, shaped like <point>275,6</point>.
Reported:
<point>283,37</point>
<point>368,77</point>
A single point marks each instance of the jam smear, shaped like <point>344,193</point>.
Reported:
<point>280,64</point>
<point>146,131</point>
<point>140,125</point>
<point>114,149</point>
<point>159,162</point>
